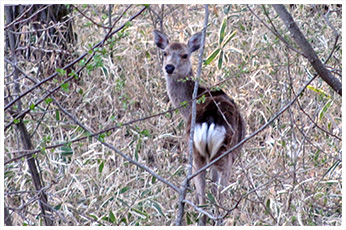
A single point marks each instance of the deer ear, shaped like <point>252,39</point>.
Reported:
<point>160,39</point>
<point>195,42</point>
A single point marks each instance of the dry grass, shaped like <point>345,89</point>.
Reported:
<point>294,166</point>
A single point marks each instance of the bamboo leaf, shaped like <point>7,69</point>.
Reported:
<point>212,56</point>
<point>219,65</point>
<point>158,209</point>
<point>140,213</point>
<point>101,166</point>
<point>112,218</point>
<point>325,108</point>
<point>123,190</point>
<point>222,30</point>
<point>57,115</point>
<point>319,91</point>
<point>228,38</point>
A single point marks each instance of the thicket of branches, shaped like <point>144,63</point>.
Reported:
<point>91,138</point>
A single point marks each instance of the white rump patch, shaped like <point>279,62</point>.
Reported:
<point>200,138</point>
<point>208,139</point>
<point>216,136</point>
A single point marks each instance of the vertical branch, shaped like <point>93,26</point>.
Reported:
<point>298,36</point>
<point>23,132</point>
<point>110,6</point>
<point>195,90</point>
<point>182,193</point>
<point>7,217</point>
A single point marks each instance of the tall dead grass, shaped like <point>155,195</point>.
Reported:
<point>290,172</point>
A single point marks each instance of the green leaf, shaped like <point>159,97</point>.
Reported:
<point>153,180</point>
<point>294,218</point>
<point>268,206</point>
<point>228,38</point>
<point>32,106</point>
<point>222,30</point>
<point>212,56</point>
<point>101,166</point>
<point>319,91</point>
<point>112,218</point>
<point>113,118</point>
<point>139,213</point>
<point>241,27</point>
<point>125,189</point>
<point>48,100</point>
<point>92,216</point>
<point>64,87</point>
<point>184,103</point>
<point>105,71</point>
<point>188,219</point>
<point>66,150</point>
<point>201,99</point>
<point>138,147</point>
<point>226,9</point>
<point>61,72</point>
<point>219,64</point>
<point>325,109</point>
<point>158,208</point>
<point>211,197</point>
<point>16,121</point>
<point>57,207</point>
<point>57,115</point>
<point>43,150</point>
<point>74,74</point>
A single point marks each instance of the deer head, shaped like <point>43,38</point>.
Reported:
<point>176,63</point>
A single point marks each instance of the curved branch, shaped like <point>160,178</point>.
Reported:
<point>305,46</point>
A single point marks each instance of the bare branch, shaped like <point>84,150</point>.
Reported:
<point>297,35</point>
<point>193,122</point>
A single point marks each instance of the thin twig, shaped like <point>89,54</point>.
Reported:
<point>44,29</point>
<point>274,31</point>
<point>91,20</point>
<point>200,210</point>
<point>336,34</point>
<point>19,17</point>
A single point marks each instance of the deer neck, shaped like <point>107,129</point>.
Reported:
<point>180,91</point>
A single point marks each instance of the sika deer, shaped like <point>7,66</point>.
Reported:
<point>219,124</point>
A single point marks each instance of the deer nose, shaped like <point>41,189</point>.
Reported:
<point>169,68</point>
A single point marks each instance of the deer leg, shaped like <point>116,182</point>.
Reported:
<point>215,176</point>
<point>199,181</point>
<point>215,179</point>
<point>224,173</point>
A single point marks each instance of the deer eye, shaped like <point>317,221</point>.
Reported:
<point>164,53</point>
<point>184,56</point>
